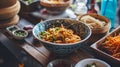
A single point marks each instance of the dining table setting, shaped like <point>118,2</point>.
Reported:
<point>59,33</point>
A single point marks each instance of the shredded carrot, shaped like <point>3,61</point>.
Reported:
<point>112,45</point>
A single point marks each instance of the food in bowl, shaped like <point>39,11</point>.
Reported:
<point>91,65</point>
<point>62,49</point>
<point>92,62</point>
<point>59,35</point>
<point>55,6</point>
<point>99,25</point>
<point>112,46</point>
<point>92,22</point>
<point>60,63</point>
<point>20,34</point>
<point>55,1</point>
<point>108,47</point>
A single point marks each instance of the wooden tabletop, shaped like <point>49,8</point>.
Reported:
<point>35,49</point>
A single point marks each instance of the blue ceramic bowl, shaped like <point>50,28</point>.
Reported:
<point>81,29</point>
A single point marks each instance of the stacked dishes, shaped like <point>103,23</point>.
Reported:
<point>8,13</point>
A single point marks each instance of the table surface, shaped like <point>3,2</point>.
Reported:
<point>35,49</point>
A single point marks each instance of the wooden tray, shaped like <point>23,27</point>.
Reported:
<point>101,53</point>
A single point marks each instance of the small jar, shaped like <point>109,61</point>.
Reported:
<point>81,9</point>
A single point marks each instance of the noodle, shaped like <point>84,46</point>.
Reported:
<point>59,35</point>
<point>112,46</point>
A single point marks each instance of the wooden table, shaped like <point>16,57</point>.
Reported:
<point>33,47</point>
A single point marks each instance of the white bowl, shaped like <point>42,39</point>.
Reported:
<point>18,36</point>
<point>89,61</point>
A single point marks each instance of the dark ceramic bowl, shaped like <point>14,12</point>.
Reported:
<point>60,63</point>
<point>81,29</point>
<point>55,8</point>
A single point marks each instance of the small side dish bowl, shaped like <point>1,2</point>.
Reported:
<point>60,63</point>
<point>55,7</point>
<point>108,47</point>
<point>10,29</point>
<point>92,19</point>
<point>99,25</point>
<point>63,48</point>
<point>91,62</point>
<point>20,34</point>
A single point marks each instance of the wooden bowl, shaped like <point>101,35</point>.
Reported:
<point>97,33</point>
<point>55,8</point>
<point>103,29</point>
<point>7,3</point>
<point>9,12</point>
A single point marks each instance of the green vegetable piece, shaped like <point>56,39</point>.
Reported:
<point>57,28</point>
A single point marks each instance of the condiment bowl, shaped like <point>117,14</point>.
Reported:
<point>60,63</point>
<point>10,29</point>
<point>20,34</point>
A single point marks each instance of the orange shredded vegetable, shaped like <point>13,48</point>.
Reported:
<point>112,46</point>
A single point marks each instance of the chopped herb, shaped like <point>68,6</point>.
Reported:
<point>57,28</point>
<point>42,33</point>
<point>13,28</point>
<point>20,33</point>
<point>91,65</point>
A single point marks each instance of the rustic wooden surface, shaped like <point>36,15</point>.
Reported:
<point>35,49</point>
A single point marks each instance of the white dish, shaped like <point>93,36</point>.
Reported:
<point>89,61</point>
<point>20,34</point>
